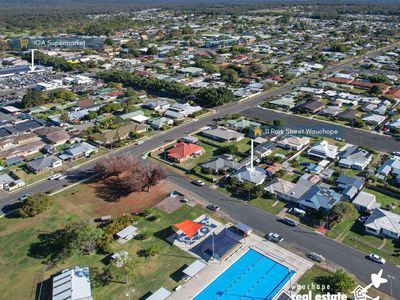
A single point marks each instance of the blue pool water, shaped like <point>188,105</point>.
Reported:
<point>252,276</point>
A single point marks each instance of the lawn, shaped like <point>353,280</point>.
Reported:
<point>210,152</point>
<point>311,277</point>
<point>370,244</point>
<point>269,205</point>
<point>385,200</point>
<point>340,229</point>
<point>21,271</point>
<point>30,178</point>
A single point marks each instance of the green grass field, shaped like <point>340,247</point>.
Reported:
<point>21,271</point>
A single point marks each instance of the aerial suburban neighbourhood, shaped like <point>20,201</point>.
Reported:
<point>199,150</point>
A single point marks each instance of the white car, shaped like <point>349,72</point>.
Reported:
<point>62,177</point>
<point>55,176</point>
<point>397,153</point>
<point>274,237</point>
<point>198,182</point>
<point>376,258</point>
<point>24,197</point>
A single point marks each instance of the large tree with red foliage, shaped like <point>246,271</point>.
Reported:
<point>122,175</point>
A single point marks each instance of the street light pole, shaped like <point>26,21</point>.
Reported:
<point>391,283</point>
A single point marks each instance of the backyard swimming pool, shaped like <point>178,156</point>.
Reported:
<point>252,276</point>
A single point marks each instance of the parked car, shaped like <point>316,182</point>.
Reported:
<point>185,200</point>
<point>297,212</point>
<point>55,176</point>
<point>315,257</point>
<point>396,153</point>
<point>289,222</point>
<point>198,182</point>
<point>62,177</point>
<point>376,258</point>
<point>362,219</point>
<point>213,207</point>
<point>274,237</point>
<point>24,197</point>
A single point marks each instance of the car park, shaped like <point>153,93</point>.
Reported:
<point>376,258</point>
<point>274,237</point>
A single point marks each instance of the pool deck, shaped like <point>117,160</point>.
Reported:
<point>195,285</point>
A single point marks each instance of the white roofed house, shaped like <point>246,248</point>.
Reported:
<point>250,173</point>
<point>353,157</point>
<point>72,284</point>
<point>223,134</point>
<point>383,223</point>
<point>323,150</point>
<point>78,151</point>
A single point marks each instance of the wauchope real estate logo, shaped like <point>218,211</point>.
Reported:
<point>359,293</point>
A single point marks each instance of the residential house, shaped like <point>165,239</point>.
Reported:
<point>43,163</point>
<point>279,187</point>
<point>220,165</point>
<point>349,186</point>
<point>242,124</point>
<point>311,107</point>
<point>320,198</point>
<point>365,202</point>
<point>81,150</point>
<point>354,158</point>
<point>303,185</point>
<point>383,223</point>
<point>274,168</point>
<point>72,284</point>
<point>374,119</point>
<point>22,150</point>
<point>121,133</point>
<point>323,150</point>
<point>251,174</point>
<point>349,115</point>
<point>223,134</point>
<point>160,123</point>
<point>390,166</point>
<point>293,143</point>
<point>182,152</point>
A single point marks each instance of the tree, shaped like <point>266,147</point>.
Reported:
<point>82,236</point>
<point>64,117</point>
<point>34,205</point>
<point>344,209</point>
<point>153,250</point>
<point>359,123</point>
<point>375,90</point>
<point>339,282</point>
<point>33,98</point>
<point>230,75</point>
<point>101,278</point>
<point>3,162</point>
<point>231,149</point>
<point>152,50</point>
<point>279,122</point>
<point>154,174</point>
<point>91,115</point>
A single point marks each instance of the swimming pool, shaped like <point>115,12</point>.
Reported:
<point>252,276</point>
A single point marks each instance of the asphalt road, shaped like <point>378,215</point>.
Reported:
<point>263,222</point>
<point>364,138</point>
<point>297,237</point>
